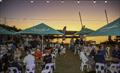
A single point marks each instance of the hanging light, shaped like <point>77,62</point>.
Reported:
<point>0,0</point>
<point>106,1</point>
<point>47,1</point>
<point>78,1</point>
<point>62,1</point>
<point>31,1</point>
<point>94,1</point>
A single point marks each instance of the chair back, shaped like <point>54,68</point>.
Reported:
<point>83,57</point>
<point>53,57</point>
<point>100,68</point>
<point>50,67</point>
<point>13,70</point>
<point>45,71</point>
<point>114,68</point>
<point>30,68</point>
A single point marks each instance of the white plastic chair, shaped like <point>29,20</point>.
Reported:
<point>30,68</point>
<point>53,60</point>
<point>76,49</point>
<point>50,67</point>
<point>64,50</point>
<point>119,68</point>
<point>100,68</point>
<point>53,56</point>
<point>46,71</point>
<point>114,68</point>
<point>84,60</point>
<point>13,70</point>
<point>56,52</point>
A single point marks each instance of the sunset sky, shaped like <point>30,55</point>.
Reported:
<point>24,13</point>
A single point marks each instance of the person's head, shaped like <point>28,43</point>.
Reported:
<point>99,48</point>
<point>47,53</point>
<point>117,47</point>
<point>16,59</point>
<point>37,49</point>
<point>102,47</point>
<point>89,44</point>
<point>11,59</point>
<point>72,38</point>
<point>28,52</point>
<point>9,52</point>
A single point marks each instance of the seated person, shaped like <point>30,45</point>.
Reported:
<point>116,54</point>
<point>100,56</point>
<point>38,54</point>
<point>5,61</point>
<point>14,63</point>
<point>47,59</point>
<point>29,62</point>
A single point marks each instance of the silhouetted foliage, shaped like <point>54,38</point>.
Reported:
<point>9,27</point>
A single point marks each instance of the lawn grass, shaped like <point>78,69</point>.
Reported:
<point>68,63</point>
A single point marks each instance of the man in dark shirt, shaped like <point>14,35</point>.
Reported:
<point>14,63</point>
<point>116,57</point>
<point>5,60</point>
<point>116,54</point>
<point>100,56</point>
<point>47,59</point>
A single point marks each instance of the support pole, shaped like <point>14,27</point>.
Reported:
<point>109,37</point>
<point>80,19</point>
<point>42,43</point>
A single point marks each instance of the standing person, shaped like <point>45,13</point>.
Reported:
<point>59,48</point>
<point>29,62</point>
<point>81,41</point>
<point>72,44</point>
<point>62,48</point>
<point>77,42</point>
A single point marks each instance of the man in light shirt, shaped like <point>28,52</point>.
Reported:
<point>29,62</point>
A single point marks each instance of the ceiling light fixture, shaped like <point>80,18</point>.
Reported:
<point>94,1</point>
<point>31,1</point>
<point>0,0</point>
<point>62,1</point>
<point>106,1</point>
<point>78,1</point>
<point>47,1</point>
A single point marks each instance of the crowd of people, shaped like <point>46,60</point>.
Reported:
<point>102,58</point>
<point>21,55</point>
